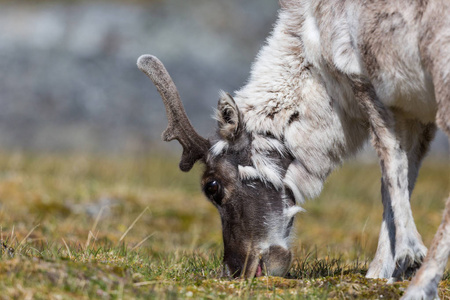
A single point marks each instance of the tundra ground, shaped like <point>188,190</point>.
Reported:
<point>79,227</point>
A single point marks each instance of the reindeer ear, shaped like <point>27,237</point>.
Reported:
<point>228,117</point>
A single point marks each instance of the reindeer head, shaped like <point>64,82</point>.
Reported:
<point>242,179</point>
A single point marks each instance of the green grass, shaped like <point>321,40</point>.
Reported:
<point>83,227</point>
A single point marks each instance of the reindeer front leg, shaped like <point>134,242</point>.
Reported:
<point>415,138</point>
<point>382,266</point>
<point>400,248</point>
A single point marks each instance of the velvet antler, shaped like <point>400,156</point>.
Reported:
<point>195,147</point>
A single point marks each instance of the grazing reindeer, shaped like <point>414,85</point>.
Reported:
<point>331,74</point>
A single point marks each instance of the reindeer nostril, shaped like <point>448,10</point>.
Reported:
<point>276,260</point>
<point>232,267</point>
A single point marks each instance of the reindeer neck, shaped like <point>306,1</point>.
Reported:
<point>285,99</point>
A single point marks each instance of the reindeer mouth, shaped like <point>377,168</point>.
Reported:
<point>259,269</point>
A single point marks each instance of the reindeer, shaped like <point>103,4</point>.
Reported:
<point>331,75</point>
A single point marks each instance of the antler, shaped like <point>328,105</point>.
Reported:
<point>179,127</point>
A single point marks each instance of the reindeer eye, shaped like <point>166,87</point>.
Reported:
<point>212,191</point>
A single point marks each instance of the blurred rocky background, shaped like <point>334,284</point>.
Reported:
<point>68,76</point>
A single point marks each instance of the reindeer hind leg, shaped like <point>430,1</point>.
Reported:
<point>424,285</point>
